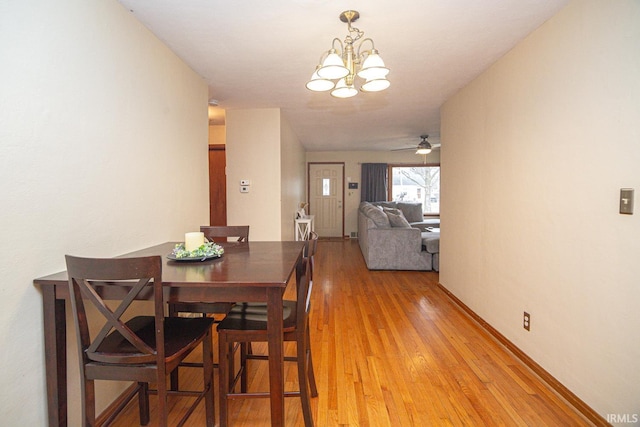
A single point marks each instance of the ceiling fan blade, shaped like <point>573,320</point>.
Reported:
<point>424,143</point>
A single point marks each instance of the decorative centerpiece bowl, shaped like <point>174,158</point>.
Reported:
<point>206,251</point>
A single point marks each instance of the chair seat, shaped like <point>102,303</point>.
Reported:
<point>181,334</point>
<point>253,316</point>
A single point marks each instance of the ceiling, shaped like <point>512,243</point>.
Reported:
<point>259,54</point>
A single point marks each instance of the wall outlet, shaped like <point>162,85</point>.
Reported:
<point>526,321</point>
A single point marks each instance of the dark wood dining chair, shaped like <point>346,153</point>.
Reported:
<point>308,252</point>
<point>246,324</point>
<point>311,252</point>
<point>241,232</point>
<point>143,349</point>
<point>219,234</point>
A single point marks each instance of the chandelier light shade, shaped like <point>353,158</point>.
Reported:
<point>344,62</point>
<point>375,85</point>
<point>333,67</point>
<point>373,67</point>
<point>319,84</point>
<point>343,90</point>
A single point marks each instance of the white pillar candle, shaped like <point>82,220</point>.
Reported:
<point>193,241</point>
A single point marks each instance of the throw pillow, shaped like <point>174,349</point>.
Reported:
<point>398,220</point>
<point>392,210</point>
<point>391,205</point>
<point>412,211</point>
<point>378,217</point>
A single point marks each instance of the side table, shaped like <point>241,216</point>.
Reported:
<point>304,226</point>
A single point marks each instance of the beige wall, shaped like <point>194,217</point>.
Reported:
<point>217,134</point>
<point>534,154</point>
<point>293,175</point>
<point>253,153</point>
<point>103,141</point>
<point>262,148</point>
<point>353,161</point>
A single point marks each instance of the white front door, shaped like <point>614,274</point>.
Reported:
<point>326,193</point>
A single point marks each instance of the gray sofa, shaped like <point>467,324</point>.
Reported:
<point>392,236</point>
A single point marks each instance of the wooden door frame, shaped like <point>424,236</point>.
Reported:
<point>341,184</point>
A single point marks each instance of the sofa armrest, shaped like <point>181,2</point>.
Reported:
<point>396,249</point>
<point>405,239</point>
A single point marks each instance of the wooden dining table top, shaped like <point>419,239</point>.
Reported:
<point>260,264</point>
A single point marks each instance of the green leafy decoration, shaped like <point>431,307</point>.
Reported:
<point>208,250</point>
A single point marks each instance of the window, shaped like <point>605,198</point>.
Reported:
<point>326,187</point>
<point>416,184</point>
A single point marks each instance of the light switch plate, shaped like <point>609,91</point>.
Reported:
<point>244,189</point>
<point>626,201</point>
<point>245,182</point>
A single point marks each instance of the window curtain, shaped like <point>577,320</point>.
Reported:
<point>374,182</point>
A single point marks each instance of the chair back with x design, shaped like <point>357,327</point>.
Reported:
<point>131,276</point>
<point>129,347</point>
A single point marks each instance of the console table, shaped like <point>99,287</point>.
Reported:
<point>304,226</point>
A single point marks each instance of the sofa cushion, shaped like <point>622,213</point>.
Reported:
<point>431,241</point>
<point>379,218</point>
<point>412,211</point>
<point>398,220</point>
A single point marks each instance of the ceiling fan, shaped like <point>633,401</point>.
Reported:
<point>424,147</point>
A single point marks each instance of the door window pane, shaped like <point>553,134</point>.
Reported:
<point>326,186</point>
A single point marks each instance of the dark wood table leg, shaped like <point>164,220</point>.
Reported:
<point>55,350</point>
<point>223,381</point>
<point>276,355</point>
<point>174,378</point>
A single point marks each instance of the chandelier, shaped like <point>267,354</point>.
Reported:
<point>344,61</point>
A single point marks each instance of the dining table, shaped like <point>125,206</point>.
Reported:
<point>249,271</point>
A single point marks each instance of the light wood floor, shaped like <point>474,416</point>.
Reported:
<point>391,349</point>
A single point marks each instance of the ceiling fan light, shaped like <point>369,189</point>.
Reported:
<point>373,67</point>
<point>424,147</point>
<point>343,90</point>
<point>332,67</point>
<point>318,84</point>
<point>376,85</point>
